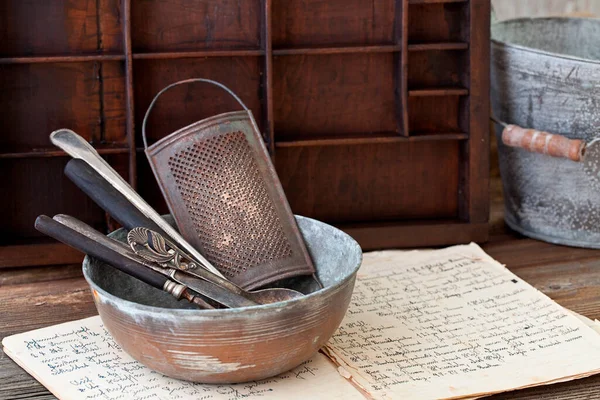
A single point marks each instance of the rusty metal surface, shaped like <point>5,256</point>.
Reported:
<point>546,76</point>
<point>220,185</point>
<point>229,345</point>
<point>227,201</point>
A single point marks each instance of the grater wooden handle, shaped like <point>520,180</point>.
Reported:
<point>543,142</point>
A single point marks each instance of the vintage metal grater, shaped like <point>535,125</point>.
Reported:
<point>222,189</point>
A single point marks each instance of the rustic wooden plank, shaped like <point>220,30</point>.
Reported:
<point>37,254</point>
<point>384,48</point>
<point>445,119</point>
<point>18,276</point>
<point>372,182</point>
<point>44,152</point>
<point>474,174</point>
<point>434,22</point>
<point>62,95</point>
<point>37,186</point>
<point>438,92</point>
<point>267,42</point>
<point>71,28</point>
<point>334,94</point>
<point>18,384</point>
<point>32,306</point>
<point>172,55</point>
<point>370,138</point>
<point>61,58</point>
<point>401,67</point>
<point>129,93</point>
<point>389,235</point>
<point>297,23</point>
<point>166,25</point>
<point>112,111</point>
<point>582,389</point>
<point>435,1</point>
<point>437,68</point>
<point>438,46</point>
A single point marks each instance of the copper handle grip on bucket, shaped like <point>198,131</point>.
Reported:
<point>225,88</point>
<point>543,142</point>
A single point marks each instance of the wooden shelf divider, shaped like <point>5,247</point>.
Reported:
<point>54,152</point>
<point>436,1</point>
<point>438,92</point>
<point>438,46</point>
<point>382,48</point>
<point>371,138</point>
<point>401,66</point>
<point>129,93</point>
<point>267,43</point>
<point>169,55</point>
<point>63,58</point>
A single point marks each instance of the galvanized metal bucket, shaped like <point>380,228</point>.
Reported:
<point>545,75</point>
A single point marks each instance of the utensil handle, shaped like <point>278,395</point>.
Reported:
<point>106,196</point>
<point>86,245</point>
<point>543,142</point>
<point>183,82</point>
<point>139,236</point>
<point>78,147</point>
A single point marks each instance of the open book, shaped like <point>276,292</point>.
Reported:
<point>436,324</point>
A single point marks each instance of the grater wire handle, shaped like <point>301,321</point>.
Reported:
<point>225,88</point>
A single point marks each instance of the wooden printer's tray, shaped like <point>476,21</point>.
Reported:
<point>375,112</point>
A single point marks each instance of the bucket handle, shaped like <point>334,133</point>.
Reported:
<point>542,142</point>
<point>172,85</point>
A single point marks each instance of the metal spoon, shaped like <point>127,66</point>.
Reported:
<point>152,246</point>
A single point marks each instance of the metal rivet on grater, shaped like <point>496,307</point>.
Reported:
<point>222,189</point>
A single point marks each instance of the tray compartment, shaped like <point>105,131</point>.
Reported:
<point>37,99</point>
<point>42,27</point>
<point>438,22</point>
<point>320,23</point>
<point>437,69</point>
<point>328,183</point>
<point>333,95</point>
<point>173,25</point>
<point>38,186</point>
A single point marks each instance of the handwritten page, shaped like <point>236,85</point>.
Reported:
<point>80,360</point>
<point>454,323</point>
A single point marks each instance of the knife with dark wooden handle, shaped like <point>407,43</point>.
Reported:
<point>86,245</point>
<point>203,287</point>
<point>106,196</point>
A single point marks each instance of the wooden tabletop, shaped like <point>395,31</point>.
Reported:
<point>34,298</point>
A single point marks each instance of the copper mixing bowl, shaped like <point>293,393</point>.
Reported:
<point>228,345</point>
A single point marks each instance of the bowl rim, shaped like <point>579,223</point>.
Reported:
<point>500,44</point>
<point>219,313</point>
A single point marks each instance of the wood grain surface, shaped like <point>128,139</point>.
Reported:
<point>31,299</point>
<point>320,76</point>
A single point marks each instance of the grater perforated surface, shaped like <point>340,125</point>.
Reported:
<point>228,203</point>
